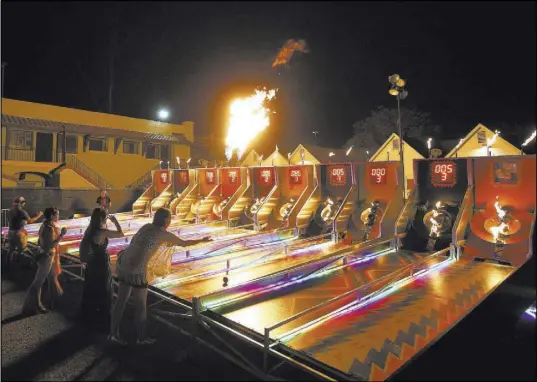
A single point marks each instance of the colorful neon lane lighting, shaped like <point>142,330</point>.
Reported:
<point>530,312</point>
<point>176,281</point>
<point>299,279</point>
<point>372,297</point>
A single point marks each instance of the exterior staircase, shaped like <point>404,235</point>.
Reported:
<point>75,164</point>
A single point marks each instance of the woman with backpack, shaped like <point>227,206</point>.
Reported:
<point>97,295</point>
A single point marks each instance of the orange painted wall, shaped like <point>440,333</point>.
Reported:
<point>520,194</point>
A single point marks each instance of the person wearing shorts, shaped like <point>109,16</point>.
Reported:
<point>131,270</point>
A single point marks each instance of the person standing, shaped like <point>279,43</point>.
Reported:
<point>104,201</point>
<point>131,272</point>
<point>49,238</point>
<point>17,235</point>
<point>97,295</point>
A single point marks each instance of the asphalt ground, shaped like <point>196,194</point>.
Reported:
<point>59,346</point>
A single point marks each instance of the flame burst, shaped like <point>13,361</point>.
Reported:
<point>503,227</point>
<point>490,141</point>
<point>288,49</point>
<point>531,138</point>
<point>248,117</point>
<point>435,225</point>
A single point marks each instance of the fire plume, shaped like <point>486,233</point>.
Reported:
<point>248,117</point>
<point>288,49</point>
<point>490,141</point>
<point>499,210</point>
<point>503,227</point>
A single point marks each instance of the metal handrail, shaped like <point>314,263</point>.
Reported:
<point>267,198</point>
<point>238,194</point>
<point>391,276</point>
<point>532,230</point>
<point>343,203</point>
<point>86,172</point>
<point>5,217</point>
<point>300,199</point>
<point>280,246</point>
<point>464,205</point>
<point>337,255</point>
<point>404,210</point>
<point>231,241</point>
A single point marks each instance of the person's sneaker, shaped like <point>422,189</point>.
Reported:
<point>146,341</point>
<point>116,340</point>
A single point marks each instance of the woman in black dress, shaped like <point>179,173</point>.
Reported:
<point>97,295</point>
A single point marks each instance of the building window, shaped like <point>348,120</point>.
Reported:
<point>130,147</point>
<point>153,151</point>
<point>20,139</point>
<point>71,144</point>
<point>98,144</point>
<point>165,152</point>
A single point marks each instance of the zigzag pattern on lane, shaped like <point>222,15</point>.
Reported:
<point>373,343</point>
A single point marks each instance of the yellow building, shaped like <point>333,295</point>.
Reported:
<point>250,159</point>
<point>475,144</point>
<point>317,155</point>
<point>276,158</point>
<point>389,151</point>
<point>101,150</point>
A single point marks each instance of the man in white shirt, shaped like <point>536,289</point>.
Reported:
<point>131,271</point>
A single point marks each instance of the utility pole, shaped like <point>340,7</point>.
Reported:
<point>4,64</point>
<point>398,90</point>
<point>111,71</point>
<point>6,143</point>
<point>315,134</point>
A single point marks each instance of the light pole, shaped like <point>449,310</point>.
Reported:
<point>4,64</point>
<point>315,134</point>
<point>398,90</point>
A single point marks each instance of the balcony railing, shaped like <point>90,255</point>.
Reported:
<point>72,162</point>
<point>24,155</point>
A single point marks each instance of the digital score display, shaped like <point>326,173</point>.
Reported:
<point>183,177</point>
<point>443,174</point>
<point>295,175</point>
<point>210,177</point>
<point>163,177</point>
<point>266,176</point>
<point>377,175</point>
<point>232,176</point>
<point>337,175</point>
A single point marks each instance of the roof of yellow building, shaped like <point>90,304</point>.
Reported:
<point>87,129</point>
<point>473,132</point>
<point>416,144</point>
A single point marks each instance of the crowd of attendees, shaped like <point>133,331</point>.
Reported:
<point>97,307</point>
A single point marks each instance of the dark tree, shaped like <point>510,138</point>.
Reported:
<point>371,132</point>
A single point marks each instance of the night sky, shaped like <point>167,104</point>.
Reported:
<point>465,62</point>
